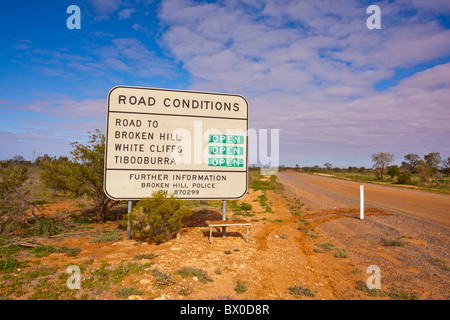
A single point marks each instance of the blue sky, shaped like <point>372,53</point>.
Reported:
<point>336,90</point>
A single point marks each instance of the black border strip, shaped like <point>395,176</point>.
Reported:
<point>124,169</point>
<point>177,115</point>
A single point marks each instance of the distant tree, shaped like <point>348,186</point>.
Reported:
<point>58,174</point>
<point>433,160</point>
<point>83,175</point>
<point>328,166</point>
<point>12,196</point>
<point>12,177</point>
<point>382,161</point>
<point>40,160</point>
<point>393,171</point>
<point>404,177</point>
<point>423,170</point>
<point>90,160</point>
<point>18,158</point>
<point>411,163</point>
<point>446,166</point>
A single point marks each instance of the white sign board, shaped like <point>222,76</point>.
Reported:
<point>190,144</point>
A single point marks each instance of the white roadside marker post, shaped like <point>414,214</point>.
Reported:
<point>130,207</point>
<point>361,209</point>
<point>224,217</point>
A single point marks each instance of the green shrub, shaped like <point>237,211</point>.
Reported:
<point>158,217</point>
<point>398,294</point>
<point>327,245</point>
<point>40,272</point>
<point>341,254</point>
<point>442,263</point>
<point>47,289</point>
<point>362,285</point>
<point>107,236</point>
<point>300,290</point>
<point>12,178</point>
<point>393,171</point>
<point>394,293</point>
<point>99,279</point>
<point>312,234</point>
<point>270,184</point>
<point>240,287</point>
<point>394,242</point>
<point>81,220</point>
<point>14,197</point>
<point>185,291</point>
<point>262,199</point>
<point>404,177</point>
<point>162,279</point>
<point>126,292</point>
<point>258,185</point>
<point>149,256</point>
<point>202,211</point>
<point>201,274</point>
<point>123,270</point>
<point>11,264</point>
<point>70,252</point>
<point>244,214</point>
<point>246,206</point>
<point>45,227</point>
<point>9,251</point>
<point>44,251</point>
<point>82,174</point>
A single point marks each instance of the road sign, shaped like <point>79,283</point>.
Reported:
<point>190,144</point>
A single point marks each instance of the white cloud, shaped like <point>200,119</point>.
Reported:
<point>105,8</point>
<point>49,124</point>
<point>307,67</point>
<point>140,28</point>
<point>136,58</point>
<point>310,67</point>
<point>125,13</point>
<point>121,55</point>
<point>64,107</point>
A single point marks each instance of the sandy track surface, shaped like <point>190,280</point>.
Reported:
<point>320,192</point>
<point>417,217</point>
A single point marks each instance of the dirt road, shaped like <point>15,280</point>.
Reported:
<point>418,220</point>
<point>320,192</point>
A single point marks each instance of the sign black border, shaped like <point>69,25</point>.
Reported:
<point>159,170</point>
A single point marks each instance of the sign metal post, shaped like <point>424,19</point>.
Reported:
<point>361,209</point>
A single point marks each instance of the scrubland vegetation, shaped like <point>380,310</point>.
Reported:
<point>430,173</point>
<point>26,187</point>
